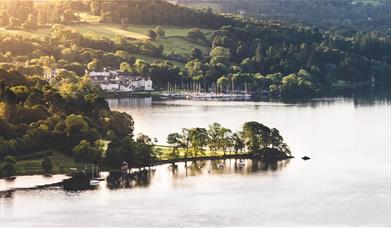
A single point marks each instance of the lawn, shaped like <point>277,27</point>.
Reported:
<point>203,5</point>
<point>66,164</point>
<point>372,2</point>
<point>166,152</point>
<point>61,164</point>
<point>38,33</point>
<point>107,30</point>
<point>179,45</point>
<point>151,59</point>
<point>175,40</point>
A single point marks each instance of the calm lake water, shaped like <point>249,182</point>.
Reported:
<point>347,181</point>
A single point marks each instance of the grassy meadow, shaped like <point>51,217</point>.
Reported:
<point>61,164</point>
<point>66,164</point>
<point>166,152</point>
<point>174,42</point>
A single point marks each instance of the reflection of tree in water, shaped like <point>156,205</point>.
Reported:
<point>250,166</point>
<point>228,166</point>
<point>137,179</point>
<point>80,181</point>
<point>143,178</point>
<point>196,168</point>
<point>268,165</point>
<point>7,194</point>
<point>372,99</point>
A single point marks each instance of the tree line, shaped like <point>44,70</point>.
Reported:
<point>254,138</point>
<point>265,57</point>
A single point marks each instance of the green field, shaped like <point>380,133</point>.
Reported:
<point>372,2</point>
<point>61,164</point>
<point>203,5</point>
<point>179,45</point>
<point>167,151</point>
<point>66,164</point>
<point>151,59</point>
<point>174,42</point>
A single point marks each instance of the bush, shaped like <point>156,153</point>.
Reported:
<point>160,31</point>
<point>10,159</point>
<point>35,155</point>
<point>152,34</point>
<point>8,170</point>
<point>86,152</point>
<point>47,165</point>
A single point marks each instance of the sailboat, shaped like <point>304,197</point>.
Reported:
<point>93,182</point>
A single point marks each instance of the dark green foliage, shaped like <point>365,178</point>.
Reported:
<point>44,116</point>
<point>47,165</point>
<point>196,54</point>
<point>157,12</point>
<point>10,159</point>
<point>137,153</point>
<point>152,34</point>
<point>8,168</point>
<point>343,16</point>
<point>195,34</point>
<point>35,155</point>
<point>163,72</point>
<point>85,152</point>
<point>259,140</point>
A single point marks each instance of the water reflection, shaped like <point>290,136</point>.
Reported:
<point>140,178</point>
<point>346,183</point>
<point>145,178</point>
<point>147,102</point>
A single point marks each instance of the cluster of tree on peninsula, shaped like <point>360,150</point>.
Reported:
<point>267,57</point>
<point>68,116</point>
<point>254,138</point>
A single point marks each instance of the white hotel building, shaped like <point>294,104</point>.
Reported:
<point>116,81</point>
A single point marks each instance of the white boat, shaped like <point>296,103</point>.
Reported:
<point>94,181</point>
<point>241,163</point>
<point>204,95</point>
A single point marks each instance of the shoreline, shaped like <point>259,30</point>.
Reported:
<point>165,161</point>
<point>156,163</point>
<point>334,93</point>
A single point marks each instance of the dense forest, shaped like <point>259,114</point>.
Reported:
<point>345,16</point>
<point>267,57</point>
<point>133,12</point>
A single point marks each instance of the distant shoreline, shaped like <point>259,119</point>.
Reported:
<point>119,94</point>
<point>336,92</point>
<point>157,163</point>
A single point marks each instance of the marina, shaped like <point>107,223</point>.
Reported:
<point>198,91</point>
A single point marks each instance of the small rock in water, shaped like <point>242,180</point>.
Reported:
<point>306,158</point>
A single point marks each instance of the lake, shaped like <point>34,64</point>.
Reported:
<point>347,181</point>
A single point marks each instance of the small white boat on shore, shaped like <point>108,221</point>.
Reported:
<point>94,181</point>
<point>220,165</point>
<point>241,163</point>
<point>204,95</point>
